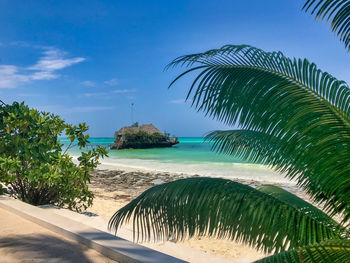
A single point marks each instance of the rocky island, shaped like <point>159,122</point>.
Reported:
<point>141,137</point>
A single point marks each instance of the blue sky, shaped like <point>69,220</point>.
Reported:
<point>89,60</point>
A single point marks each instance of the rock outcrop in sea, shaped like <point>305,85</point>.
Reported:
<point>141,137</point>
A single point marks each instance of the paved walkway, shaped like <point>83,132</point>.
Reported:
<point>24,241</point>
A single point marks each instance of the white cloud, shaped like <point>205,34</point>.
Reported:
<point>117,91</point>
<point>10,78</point>
<point>112,82</point>
<point>45,68</point>
<point>52,61</point>
<point>89,83</point>
<point>179,101</point>
<point>109,93</point>
<point>43,75</point>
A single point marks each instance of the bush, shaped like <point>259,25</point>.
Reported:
<point>33,165</point>
<point>144,138</point>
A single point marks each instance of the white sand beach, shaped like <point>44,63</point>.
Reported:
<point>114,185</point>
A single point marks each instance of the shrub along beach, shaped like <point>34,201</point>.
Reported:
<point>275,189</point>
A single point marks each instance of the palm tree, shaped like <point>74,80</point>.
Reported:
<point>338,11</point>
<point>294,118</point>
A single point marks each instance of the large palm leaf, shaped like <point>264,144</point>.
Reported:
<point>271,219</point>
<point>258,147</point>
<point>301,110</point>
<point>338,11</point>
<point>330,251</point>
<point>295,118</point>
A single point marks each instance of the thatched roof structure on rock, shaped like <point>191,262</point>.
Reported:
<point>140,137</point>
<point>148,128</point>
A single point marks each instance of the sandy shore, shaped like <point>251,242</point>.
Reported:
<point>115,186</point>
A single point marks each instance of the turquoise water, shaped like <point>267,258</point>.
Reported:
<point>189,150</point>
<point>190,156</point>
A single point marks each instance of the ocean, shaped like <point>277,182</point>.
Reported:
<point>192,155</point>
<point>189,150</point>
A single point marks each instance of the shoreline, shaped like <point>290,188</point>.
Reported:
<point>233,171</point>
<point>131,181</point>
<point>115,184</point>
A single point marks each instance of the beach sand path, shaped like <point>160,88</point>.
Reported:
<point>24,241</point>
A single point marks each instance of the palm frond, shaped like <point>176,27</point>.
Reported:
<point>253,146</point>
<point>224,209</point>
<point>305,109</point>
<point>258,147</point>
<point>330,251</point>
<point>298,203</point>
<point>338,11</point>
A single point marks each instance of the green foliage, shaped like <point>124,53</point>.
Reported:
<point>297,203</point>
<point>2,190</point>
<point>294,118</point>
<point>330,251</point>
<point>262,148</point>
<point>338,11</point>
<point>32,163</point>
<point>142,137</point>
<point>301,111</point>
<point>272,220</point>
